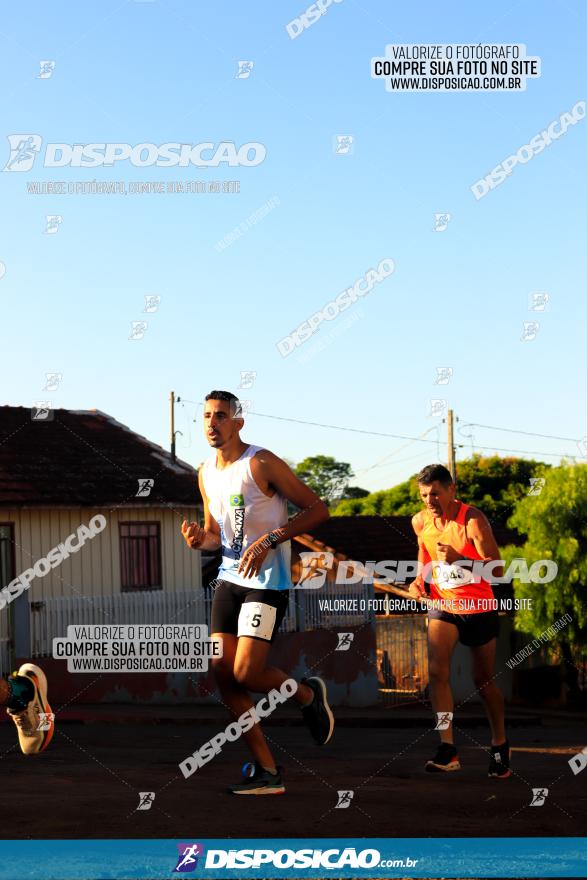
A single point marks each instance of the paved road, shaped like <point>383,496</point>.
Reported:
<point>86,785</point>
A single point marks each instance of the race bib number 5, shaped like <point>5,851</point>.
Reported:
<point>257,619</point>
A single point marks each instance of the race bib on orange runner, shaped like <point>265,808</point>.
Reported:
<point>450,576</point>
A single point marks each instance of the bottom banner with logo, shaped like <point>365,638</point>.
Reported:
<point>303,858</point>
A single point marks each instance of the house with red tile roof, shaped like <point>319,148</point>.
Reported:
<point>63,470</point>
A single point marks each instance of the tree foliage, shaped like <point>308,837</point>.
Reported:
<point>327,477</point>
<point>402,499</point>
<point>491,483</point>
<point>555,525</point>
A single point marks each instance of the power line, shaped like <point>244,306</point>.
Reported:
<point>414,439</point>
<point>520,451</point>
<point>401,436</point>
<point>333,427</point>
<point>398,461</point>
<point>513,431</point>
<point>381,462</point>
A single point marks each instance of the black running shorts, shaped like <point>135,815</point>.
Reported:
<point>474,629</point>
<point>245,611</point>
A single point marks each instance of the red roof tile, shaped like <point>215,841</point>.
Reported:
<point>85,458</point>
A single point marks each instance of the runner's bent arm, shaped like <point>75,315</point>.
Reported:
<point>480,533</point>
<point>269,471</point>
<point>207,538</point>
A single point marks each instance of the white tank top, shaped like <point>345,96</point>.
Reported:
<point>244,515</point>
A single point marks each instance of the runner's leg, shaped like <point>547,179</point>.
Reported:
<point>237,698</point>
<point>252,672</point>
<point>483,676</point>
<point>442,638</point>
<point>259,619</point>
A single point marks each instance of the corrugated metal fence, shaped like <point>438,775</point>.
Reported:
<point>334,605</point>
<point>308,609</point>
<point>50,618</point>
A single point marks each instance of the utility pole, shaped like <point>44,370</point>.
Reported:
<point>451,447</point>
<point>172,405</point>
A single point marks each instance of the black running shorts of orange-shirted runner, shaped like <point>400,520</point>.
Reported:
<point>474,629</point>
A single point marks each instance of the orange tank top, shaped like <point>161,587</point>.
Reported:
<point>451,584</point>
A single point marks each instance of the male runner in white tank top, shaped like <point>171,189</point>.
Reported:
<point>245,490</point>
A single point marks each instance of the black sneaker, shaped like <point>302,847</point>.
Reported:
<point>499,762</point>
<point>257,780</point>
<point>444,761</point>
<point>318,715</point>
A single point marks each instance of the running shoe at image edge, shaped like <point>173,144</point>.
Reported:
<point>318,715</point>
<point>37,714</point>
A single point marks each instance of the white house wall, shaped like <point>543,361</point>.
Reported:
<point>95,569</point>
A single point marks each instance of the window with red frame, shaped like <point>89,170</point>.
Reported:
<point>140,555</point>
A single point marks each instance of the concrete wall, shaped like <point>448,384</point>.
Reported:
<point>350,675</point>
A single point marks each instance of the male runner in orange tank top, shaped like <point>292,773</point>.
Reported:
<point>448,531</point>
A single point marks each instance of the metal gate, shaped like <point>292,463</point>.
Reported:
<point>402,658</point>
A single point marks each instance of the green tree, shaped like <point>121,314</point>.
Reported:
<point>402,499</point>
<point>492,483</point>
<point>327,477</point>
<point>352,492</point>
<point>496,484</point>
<point>555,525</point>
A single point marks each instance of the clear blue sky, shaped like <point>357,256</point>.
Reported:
<point>164,71</point>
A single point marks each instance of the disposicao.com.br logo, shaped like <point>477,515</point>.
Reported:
<point>188,855</point>
<point>24,149</point>
<point>331,858</point>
